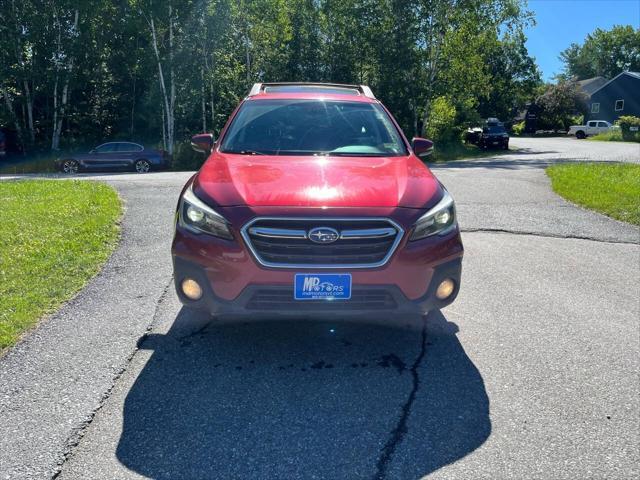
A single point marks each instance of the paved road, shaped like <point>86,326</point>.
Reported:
<point>570,148</point>
<point>532,373</point>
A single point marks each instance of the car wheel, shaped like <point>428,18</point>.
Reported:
<point>142,166</point>
<point>580,135</point>
<point>70,166</point>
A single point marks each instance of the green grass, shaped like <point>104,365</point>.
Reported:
<point>55,236</point>
<point>609,188</point>
<point>612,136</point>
<point>459,151</point>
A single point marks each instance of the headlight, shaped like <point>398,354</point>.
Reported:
<point>198,217</point>
<point>440,220</point>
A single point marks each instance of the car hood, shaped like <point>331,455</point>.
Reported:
<point>314,181</point>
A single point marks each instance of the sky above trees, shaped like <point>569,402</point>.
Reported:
<point>559,23</point>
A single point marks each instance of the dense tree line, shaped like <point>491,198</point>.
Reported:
<point>76,72</point>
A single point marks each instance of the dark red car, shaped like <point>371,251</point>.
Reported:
<point>312,203</point>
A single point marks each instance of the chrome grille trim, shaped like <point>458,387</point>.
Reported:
<point>277,232</point>
<point>373,234</point>
<point>367,233</point>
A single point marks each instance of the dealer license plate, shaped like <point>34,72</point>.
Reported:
<point>322,286</point>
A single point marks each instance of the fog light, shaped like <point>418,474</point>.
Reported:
<point>191,289</point>
<point>445,289</point>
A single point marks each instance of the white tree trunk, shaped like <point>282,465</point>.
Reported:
<point>248,60</point>
<point>55,141</point>
<point>203,102</point>
<point>164,131</point>
<point>163,88</point>
<point>434,39</point>
<point>133,107</point>
<point>63,104</point>
<point>172,88</point>
<point>209,68</point>
<point>247,42</point>
<point>59,107</point>
<point>27,92</point>
<point>213,109</point>
<point>204,68</point>
<point>168,99</point>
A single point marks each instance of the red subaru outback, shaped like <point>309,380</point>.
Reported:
<point>312,203</point>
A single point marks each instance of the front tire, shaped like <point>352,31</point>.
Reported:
<point>580,135</point>
<point>70,166</point>
<point>142,166</point>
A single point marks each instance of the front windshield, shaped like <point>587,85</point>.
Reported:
<point>494,129</point>
<point>313,127</point>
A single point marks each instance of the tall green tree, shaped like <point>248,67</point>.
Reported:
<point>514,77</point>
<point>603,53</point>
<point>455,38</point>
<point>559,104</point>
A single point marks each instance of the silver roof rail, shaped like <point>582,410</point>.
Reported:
<point>361,89</point>
<point>366,91</point>
<point>255,90</point>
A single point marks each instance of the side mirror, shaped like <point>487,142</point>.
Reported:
<point>422,147</point>
<point>202,143</point>
<point>92,152</point>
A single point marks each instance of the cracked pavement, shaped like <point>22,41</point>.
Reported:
<point>531,373</point>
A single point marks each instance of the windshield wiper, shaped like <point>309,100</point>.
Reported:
<point>360,154</point>
<point>244,152</point>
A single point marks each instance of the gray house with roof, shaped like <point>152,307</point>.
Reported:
<point>617,97</point>
<point>590,85</point>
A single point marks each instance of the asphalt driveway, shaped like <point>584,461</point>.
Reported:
<point>532,373</point>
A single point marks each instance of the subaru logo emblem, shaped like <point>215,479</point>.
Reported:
<point>323,235</point>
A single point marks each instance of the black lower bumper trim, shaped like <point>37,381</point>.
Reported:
<point>277,301</point>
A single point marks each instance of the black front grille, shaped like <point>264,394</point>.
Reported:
<point>361,299</point>
<point>273,251</point>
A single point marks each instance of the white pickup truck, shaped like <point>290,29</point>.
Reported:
<point>593,127</point>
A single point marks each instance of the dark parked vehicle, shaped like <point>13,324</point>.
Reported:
<point>9,144</point>
<point>115,156</point>
<point>491,135</point>
<point>472,135</point>
<point>3,145</point>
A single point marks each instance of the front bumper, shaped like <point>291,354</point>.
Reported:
<point>368,302</point>
<point>493,142</point>
<point>236,286</point>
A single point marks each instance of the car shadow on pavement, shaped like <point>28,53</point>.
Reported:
<point>302,400</point>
